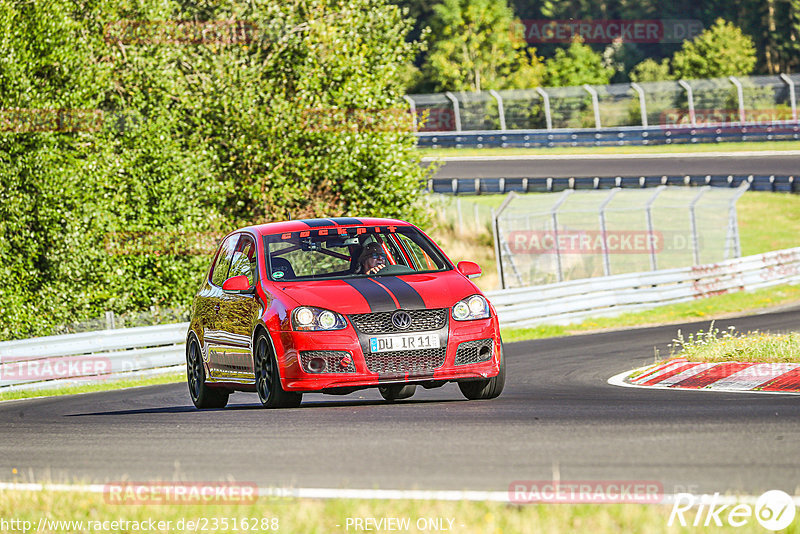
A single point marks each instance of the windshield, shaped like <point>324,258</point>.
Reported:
<point>351,253</point>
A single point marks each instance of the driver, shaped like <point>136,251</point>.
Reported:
<point>372,259</point>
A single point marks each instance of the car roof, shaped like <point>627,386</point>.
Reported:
<point>334,222</point>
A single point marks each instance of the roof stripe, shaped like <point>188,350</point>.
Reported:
<point>346,220</point>
<point>316,223</point>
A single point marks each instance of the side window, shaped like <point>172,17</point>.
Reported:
<point>220,271</point>
<point>244,259</point>
<point>422,261</point>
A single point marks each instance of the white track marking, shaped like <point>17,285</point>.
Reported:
<point>376,494</point>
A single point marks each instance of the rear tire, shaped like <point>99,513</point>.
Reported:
<point>486,389</point>
<point>397,392</point>
<point>202,396</point>
<point>268,381</point>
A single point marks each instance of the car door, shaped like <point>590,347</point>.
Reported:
<point>237,316</point>
<point>210,303</point>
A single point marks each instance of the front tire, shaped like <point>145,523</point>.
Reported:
<point>202,396</point>
<point>397,391</point>
<point>268,382</point>
<point>486,389</point>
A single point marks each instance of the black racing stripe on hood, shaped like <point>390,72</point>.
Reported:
<point>315,223</point>
<point>376,295</point>
<point>406,296</point>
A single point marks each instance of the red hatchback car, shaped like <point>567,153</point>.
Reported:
<point>337,305</point>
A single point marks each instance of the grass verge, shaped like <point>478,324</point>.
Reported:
<point>730,346</point>
<point>611,150</point>
<point>89,511</point>
<point>698,310</point>
<point>168,378</point>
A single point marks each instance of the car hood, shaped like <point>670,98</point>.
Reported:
<point>381,293</point>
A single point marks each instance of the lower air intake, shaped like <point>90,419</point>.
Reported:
<point>474,351</point>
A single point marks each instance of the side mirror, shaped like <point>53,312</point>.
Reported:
<point>470,269</point>
<point>236,284</point>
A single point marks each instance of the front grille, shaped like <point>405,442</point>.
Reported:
<point>381,322</point>
<point>412,361</point>
<point>469,351</point>
<point>332,359</point>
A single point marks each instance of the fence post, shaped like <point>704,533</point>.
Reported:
<point>546,99</point>
<point>788,81</point>
<point>554,215</point>
<point>110,323</point>
<point>642,103</point>
<point>456,110</point>
<point>739,96</point>
<point>496,232</point>
<point>413,106</point>
<point>690,101</point>
<point>693,225</point>
<point>595,104</point>
<point>733,224</point>
<point>500,111</point>
<point>604,231</point>
<point>650,229</point>
<point>496,236</point>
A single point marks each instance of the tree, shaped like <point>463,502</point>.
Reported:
<point>722,50</point>
<point>651,70</point>
<point>301,117</point>
<point>479,45</point>
<point>576,65</point>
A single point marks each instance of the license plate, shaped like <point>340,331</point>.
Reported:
<point>403,342</point>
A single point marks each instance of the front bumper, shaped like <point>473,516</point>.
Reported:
<point>357,372</point>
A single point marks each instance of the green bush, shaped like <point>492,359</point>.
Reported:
<point>299,116</point>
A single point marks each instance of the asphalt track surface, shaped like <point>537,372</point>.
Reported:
<point>630,165</point>
<point>557,413</point>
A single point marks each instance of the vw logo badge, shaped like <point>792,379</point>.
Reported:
<point>401,320</point>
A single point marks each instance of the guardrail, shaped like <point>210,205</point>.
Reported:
<point>568,302</point>
<point>91,356</point>
<point>95,356</point>
<point>619,136</point>
<point>489,186</point>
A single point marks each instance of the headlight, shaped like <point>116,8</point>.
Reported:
<point>308,318</point>
<point>474,307</point>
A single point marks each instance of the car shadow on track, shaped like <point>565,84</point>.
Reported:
<point>246,407</point>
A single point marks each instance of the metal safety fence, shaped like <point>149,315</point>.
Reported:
<point>541,239</point>
<point>493,186</point>
<point>574,301</point>
<point>76,359</point>
<point>685,111</point>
